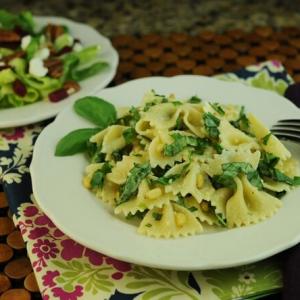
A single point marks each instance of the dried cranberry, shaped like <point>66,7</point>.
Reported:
<point>19,88</point>
<point>64,50</point>
<point>58,95</point>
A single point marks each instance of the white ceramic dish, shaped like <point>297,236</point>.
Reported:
<point>59,192</point>
<point>42,110</point>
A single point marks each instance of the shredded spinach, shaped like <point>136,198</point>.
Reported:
<point>156,216</point>
<point>242,123</point>
<point>129,134</point>
<point>194,99</point>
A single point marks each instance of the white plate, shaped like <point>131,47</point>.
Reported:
<point>76,211</point>
<point>45,109</point>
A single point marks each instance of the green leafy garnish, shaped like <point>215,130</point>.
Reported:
<point>211,124</point>
<point>156,216</point>
<point>139,214</point>
<point>194,99</point>
<point>148,225</point>
<point>266,138</point>
<point>135,116</point>
<point>222,221</point>
<point>75,141</point>
<point>135,177</point>
<point>231,170</point>
<point>99,176</point>
<point>182,141</point>
<point>242,123</point>
<point>217,107</point>
<point>176,103</point>
<point>129,134</point>
<point>96,110</point>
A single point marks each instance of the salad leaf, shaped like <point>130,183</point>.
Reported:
<point>96,110</point>
<point>33,47</point>
<point>135,177</point>
<point>85,55</point>
<point>23,20</point>
<point>74,142</point>
<point>63,40</point>
<point>7,76</point>
<point>211,124</point>
<point>99,176</point>
<point>218,108</point>
<point>92,70</point>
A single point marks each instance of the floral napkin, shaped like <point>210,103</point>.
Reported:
<point>66,270</point>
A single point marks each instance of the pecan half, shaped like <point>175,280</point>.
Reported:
<point>52,31</point>
<point>9,36</point>
<point>71,86</point>
<point>55,67</point>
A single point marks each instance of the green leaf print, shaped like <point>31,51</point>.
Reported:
<point>265,81</point>
<point>155,284</point>
<point>94,279</point>
<point>234,283</point>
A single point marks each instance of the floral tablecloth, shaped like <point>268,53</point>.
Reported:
<point>66,270</point>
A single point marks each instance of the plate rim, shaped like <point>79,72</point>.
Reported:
<point>44,115</point>
<point>140,260</point>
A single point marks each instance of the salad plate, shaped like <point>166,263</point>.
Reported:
<point>58,188</point>
<point>44,109</point>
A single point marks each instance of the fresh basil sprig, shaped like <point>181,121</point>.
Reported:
<point>75,141</point>
<point>96,110</point>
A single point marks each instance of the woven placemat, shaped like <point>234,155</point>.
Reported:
<point>207,53</point>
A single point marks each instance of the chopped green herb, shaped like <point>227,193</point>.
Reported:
<point>148,105</point>
<point>194,99</point>
<point>266,138</point>
<point>135,116</point>
<point>179,123</point>
<point>117,155</point>
<point>192,208</point>
<point>156,216</point>
<point>222,221</point>
<point>148,225</point>
<point>217,107</point>
<point>211,124</point>
<point>135,177</point>
<point>129,134</point>
<point>139,214</point>
<point>242,123</point>
<point>176,103</point>
<point>98,177</point>
<point>231,170</point>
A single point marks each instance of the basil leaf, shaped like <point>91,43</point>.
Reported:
<point>217,107</point>
<point>156,216</point>
<point>266,138</point>
<point>96,110</point>
<point>231,170</point>
<point>211,124</point>
<point>75,141</point>
<point>129,134</point>
<point>194,99</point>
<point>92,70</point>
<point>135,177</point>
<point>99,176</point>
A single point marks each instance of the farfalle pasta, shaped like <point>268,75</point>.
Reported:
<point>179,167</point>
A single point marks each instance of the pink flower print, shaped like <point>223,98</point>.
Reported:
<point>119,265</point>
<point>63,295</point>
<point>71,249</point>
<point>45,249</point>
<point>30,211</point>
<point>276,63</point>
<point>117,275</point>
<point>44,220</point>
<point>94,257</point>
<point>38,232</point>
<point>14,134</point>
<point>48,278</point>
<point>57,233</point>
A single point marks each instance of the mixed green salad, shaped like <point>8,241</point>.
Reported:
<point>44,64</point>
